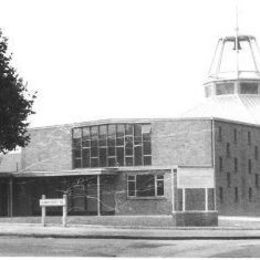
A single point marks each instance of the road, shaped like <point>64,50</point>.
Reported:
<point>21,246</point>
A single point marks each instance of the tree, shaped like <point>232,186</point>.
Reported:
<point>15,103</point>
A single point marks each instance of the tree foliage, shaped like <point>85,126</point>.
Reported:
<point>15,103</point>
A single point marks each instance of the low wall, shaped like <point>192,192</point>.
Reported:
<point>196,218</point>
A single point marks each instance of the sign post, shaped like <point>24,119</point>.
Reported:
<point>64,210</point>
<point>54,203</point>
<point>43,211</point>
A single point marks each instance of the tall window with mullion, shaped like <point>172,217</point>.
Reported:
<point>112,145</point>
<point>138,145</point>
<point>111,142</point>
<point>147,145</point>
<point>76,147</point>
<point>102,145</point>
<point>129,145</point>
<point>94,146</point>
<point>86,144</point>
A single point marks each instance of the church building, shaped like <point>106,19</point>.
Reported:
<point>183,171</point>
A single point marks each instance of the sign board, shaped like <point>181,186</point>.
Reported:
<point>195,178</point>
<point>52,202</point>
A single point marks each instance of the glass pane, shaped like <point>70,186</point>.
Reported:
<point>248,88</point>
<point>103,157</point>
<point>77,163</point>
<point>94,151</point>
<point>86,137</point>
<point>129,161</point>
<point>94,162</point>
<point>211,201</point>
<point>102,135</point>
<point>111,151</point>
<point>224,88</point>
<point>76,137</point>
<point>131,178</point>
<point>138,130</point>
<point>111,162</point>
<point>76,133</point>
<point>111,130</point>
<point>195,199</point>
<point>147,160</point>
<point>146,129</point>
<point>77,153</point>
<point>180,200</point>
<point>86,157</point>
<point>131,188</point>
<point>147,148</point>
<point>120,156</point>
<point>145,185</point>
<point>129,130</point>
<point>120,141</point>
<point>94,131</point>
<point>111,141</point>
<point>160,188</point>
<point>138,155</point>
<point>129,145</point>
<point>120,131</point>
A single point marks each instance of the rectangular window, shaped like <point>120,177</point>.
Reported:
<point>236,194</point>
<point>256,152</point>
<point>235,136</point>
<point>85,158</point>
<point>160,185</point>
<point>194,199</point>
<point>228,179</point>
<point>221,197</point>
<point>86,137</point>
<point>131,187</point>
<point>220,164</point>
<point>250,194</point>
<point>180,200</point>
<point>211,199</point>
<point>249,138</point>
<point>256,180</point>
<point>248,88</point>
<point>111,145</point>
<point>219,133</point>
<point>249,166</point>
<point>102,139</point>
<point>146,185</point>
<point>76,137</point>
<point>228,153</point>
<point>235,165</point>
<point>120,135</point>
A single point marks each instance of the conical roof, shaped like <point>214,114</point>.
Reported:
<point>235,107</point>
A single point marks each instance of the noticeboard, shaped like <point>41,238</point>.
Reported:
<point>52,202</point>
<point>195,178</point>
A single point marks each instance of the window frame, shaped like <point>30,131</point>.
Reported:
<point>158,177</point>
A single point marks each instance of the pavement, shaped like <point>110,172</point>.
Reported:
<point>229,228</point>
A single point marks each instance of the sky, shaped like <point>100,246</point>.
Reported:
<point>118,58</point>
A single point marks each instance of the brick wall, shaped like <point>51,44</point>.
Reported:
<point>238,181</point>
<point>182,142</point>
<point>142,206</point>
<point>49,149</point>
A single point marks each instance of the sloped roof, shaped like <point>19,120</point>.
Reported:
<point>10,162</point>
<point>235,107</point>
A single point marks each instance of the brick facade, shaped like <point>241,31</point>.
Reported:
<point>50,149</point>
<point>236,145</point>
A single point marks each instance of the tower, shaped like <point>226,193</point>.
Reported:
<point>235,67</point>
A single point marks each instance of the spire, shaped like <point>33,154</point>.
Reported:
<point>237,42</point>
